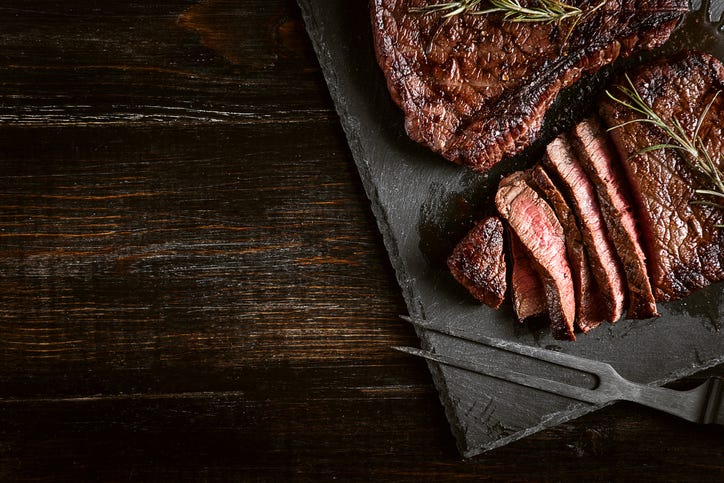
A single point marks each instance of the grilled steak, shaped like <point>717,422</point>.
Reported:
<point>684,245</point>
<point>600,162</point>
<point>588,307</point>
<point>631,205</point>
<point>528,294</point>
<point>478,262</point>
<point>605,266</point>
<point>475,88</point>
<point>536,226</point>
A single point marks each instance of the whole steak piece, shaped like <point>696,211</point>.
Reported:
<point>684,244</point>
<point>475,88</point>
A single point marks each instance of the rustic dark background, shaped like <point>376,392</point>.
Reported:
<point>193,285</point>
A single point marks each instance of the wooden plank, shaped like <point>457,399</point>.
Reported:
<point>145,250</point>
<point>343,433</point>
<point>170,62</point>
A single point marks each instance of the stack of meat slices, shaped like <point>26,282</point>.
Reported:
<point>599,228</point>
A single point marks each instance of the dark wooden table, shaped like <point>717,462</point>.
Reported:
<point>193,285</point>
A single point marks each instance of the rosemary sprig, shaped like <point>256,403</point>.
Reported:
<point>546,11</point>
<point>451,8</point>
<point>690,146</point>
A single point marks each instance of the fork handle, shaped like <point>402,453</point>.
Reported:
<point>703,404</point>
<point>714,410</point>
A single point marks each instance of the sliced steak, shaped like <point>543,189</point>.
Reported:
<point>605,266</point>
<point>478,262</point>
<point>684,245</point>
<point>536,226</point>
<point>475,88</point>
<point>528,293</point>
<point>600,162</point>
<point>588,307</point>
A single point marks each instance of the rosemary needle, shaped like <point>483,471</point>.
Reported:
<point>691,146</point>
<point>451,9</point>
<point>545,11</point>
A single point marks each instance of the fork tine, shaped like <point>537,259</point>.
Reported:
<point>555,387</point>
<point>559,358</point>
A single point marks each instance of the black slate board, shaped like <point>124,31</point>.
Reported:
<point>424,204</point>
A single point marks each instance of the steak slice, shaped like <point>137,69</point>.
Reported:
<point>536,226</point>
<point>684,245</point>
<point>478,262</point>
<point>528,293</point>
<point>600,162</point>
<point>581,196</point>
<point>588,307</point>
<point>475,88</point>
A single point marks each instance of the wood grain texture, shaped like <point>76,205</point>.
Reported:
<point>193,283</point>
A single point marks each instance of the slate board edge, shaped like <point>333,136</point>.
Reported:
<point>358,153</point>
<point>310,14</point>
<point>567,415</point>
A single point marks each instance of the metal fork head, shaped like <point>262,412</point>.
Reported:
<point>600,369</point>
<point>703,404</point>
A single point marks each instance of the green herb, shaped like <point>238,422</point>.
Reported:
<point>690,146</point>
<point>451,8</point>
<point>546,11</point>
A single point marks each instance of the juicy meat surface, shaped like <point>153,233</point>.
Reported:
<point>475,88</point>
<point>605,266</point>
<point>684,245</point>
<point>528,293</point>
<point>478,262</point>
<point>536,226</point>
<point>600,162</point>
<point>588,309</point>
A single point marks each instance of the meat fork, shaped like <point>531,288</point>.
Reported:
<point>703,404</point>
